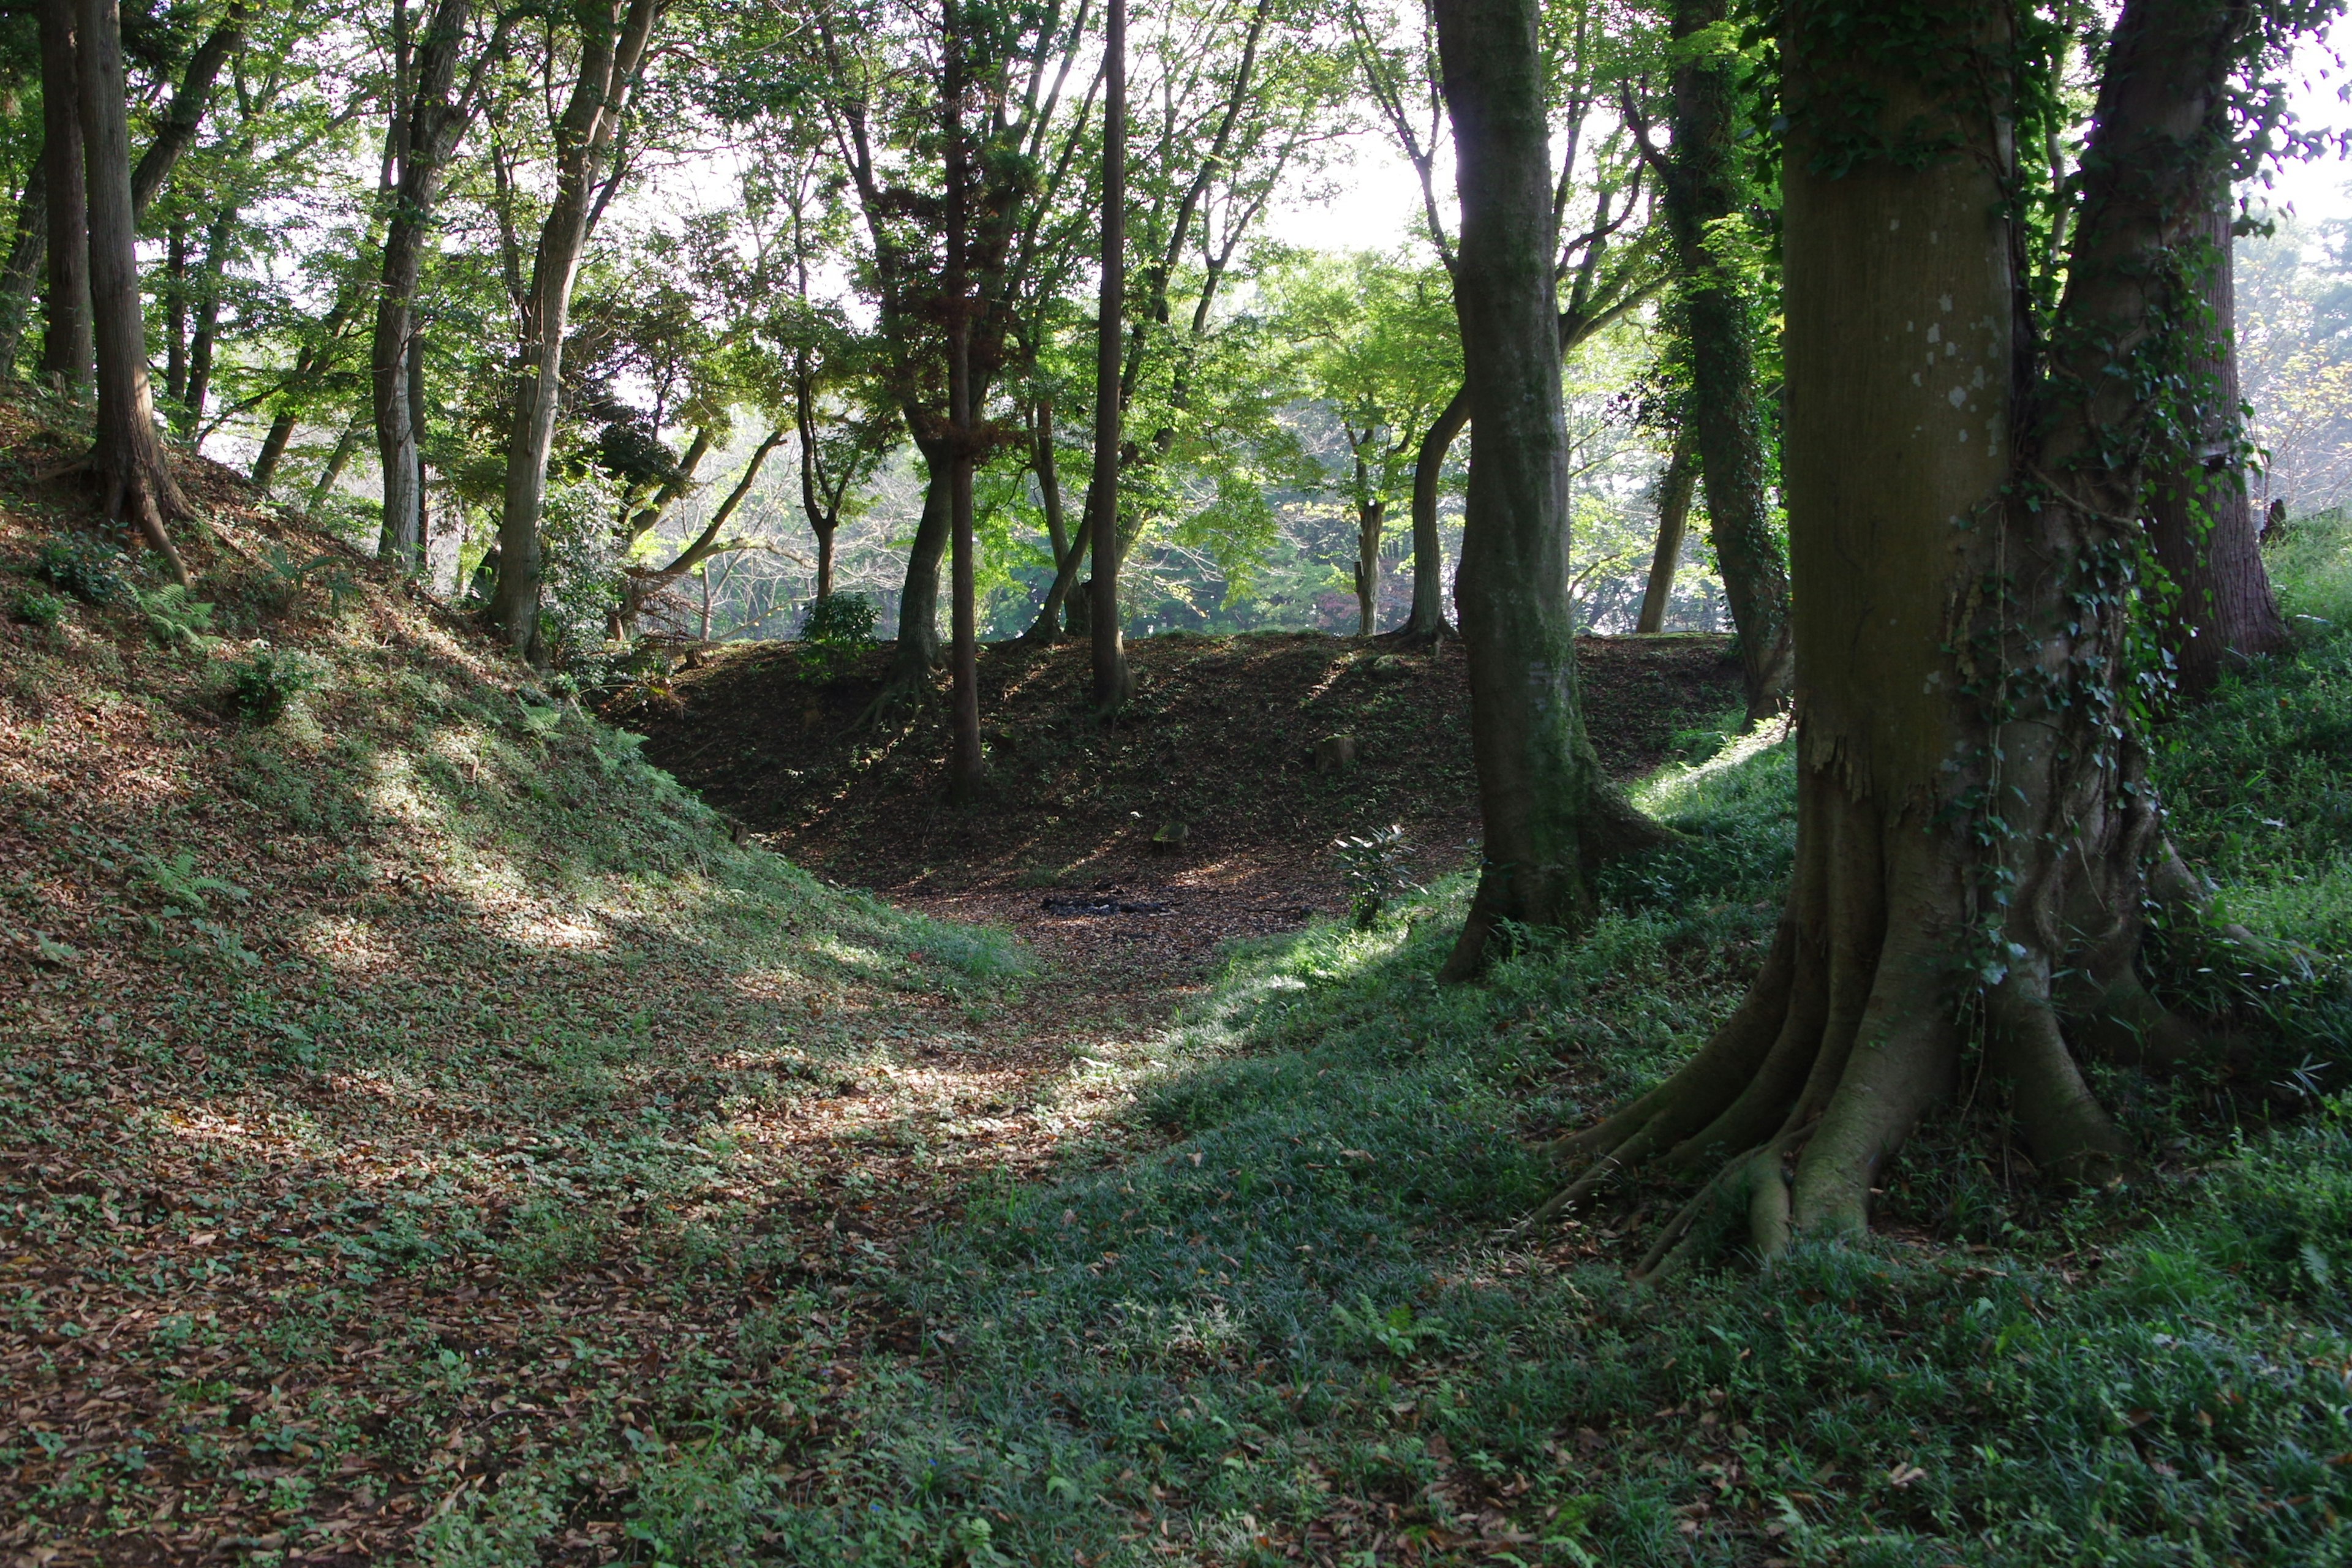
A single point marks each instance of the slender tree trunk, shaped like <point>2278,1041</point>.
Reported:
<point>68,348</point>
<point>177,132</point>
<point>1428,623</point>
<point>338,459</point>
<point>1674,488</point>
<point>2201,523</point>
<point>1702,191</point>
<point>964,762</point>
<point>428,121</point>
<point>612,46</point>
<point>1549,813</point>
<point>1113,683</point>
<point>28,253</point>
<point>1369,517</point>
<point>204,342</point>
<point>1977,837</point>
<point>134,479</point>
<point>918,599</point>
<point>175,310</point>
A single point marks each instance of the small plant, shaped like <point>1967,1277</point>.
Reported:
<point>88,567</point>
<point>35,609</point>
<point>261,684</point>
<point>1372,867</point>
<point>175,619</point>
<point>1396,1330</point>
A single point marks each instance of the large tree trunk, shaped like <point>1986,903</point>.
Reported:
<point>1549,816</point>
<point>1428,623</point>
<point>614,35</point>
<point>1702,191</point>
<point>68,348</point>
<point>135,480</point>
<point>177,133</point>
<point>1675,489</point>
<point>1113,683</point>
<point>1973,817</point>
<point>2200,522</point>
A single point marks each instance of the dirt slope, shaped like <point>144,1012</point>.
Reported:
<point>1219,744</point>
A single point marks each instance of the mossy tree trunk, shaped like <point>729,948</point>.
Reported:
<point>1977,837</point>
<point>1549,813</point>
<point>1703,188</point>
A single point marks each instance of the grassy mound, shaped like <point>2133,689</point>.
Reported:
<point>400,1080</point>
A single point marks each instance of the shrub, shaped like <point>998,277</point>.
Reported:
<point>1373,866</point>
<point>86,566</point>
<point>36,608</point>
<point>843,620</point>
<point>261,684</point>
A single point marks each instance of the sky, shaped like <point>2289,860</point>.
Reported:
<point>1374,198</point>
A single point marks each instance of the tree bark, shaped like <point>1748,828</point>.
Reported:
<point>612,38</point>
<point>1674,488</point>
<point>426,129</point>
<point>338,459</point>
<point>1371,515</point>
<point>178,132</point>
<point>1549,816</point>
<point>27,257</point>
<point>2200,522</point>
<point>1113,684</point>
<point>1428,622</point>
<point>204,341</point>
<point>1975,822</point>
<point>964,761</point>
<point>69,350</point>
<point>1703,189</point>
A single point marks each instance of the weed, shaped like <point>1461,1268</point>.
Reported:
<point>88,567</point>
<point>259,686</point>
<point>176,620</point>
<point>38,609</point>
<point>1372,867</point>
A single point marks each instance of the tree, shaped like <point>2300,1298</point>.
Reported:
<point>1549,816</point>
<point>134,479</point>
<point>1977,837</point>
<point>1704,192</point>
<point>430,115</point>
<point>1113,683</point>
<point>2201,523</point>
<point>68,350</point>
<point>964,761</point>
<point>1674,488</point>
<point>612,36</point>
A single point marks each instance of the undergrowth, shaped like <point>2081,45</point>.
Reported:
<point>1305,1330</point>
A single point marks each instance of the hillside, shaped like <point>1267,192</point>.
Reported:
<point>1219,745</point>
<point>416,1086</point>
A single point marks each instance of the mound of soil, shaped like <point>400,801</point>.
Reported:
<point>1217,793</point>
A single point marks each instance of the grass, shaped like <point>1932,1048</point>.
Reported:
<point>430,1131</point>
<point>1298,1332</point>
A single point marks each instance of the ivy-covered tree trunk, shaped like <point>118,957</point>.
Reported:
<point>1703,190</point>
<point>1549,813</point>
<point>1675,489</point>
<point>1976,832</point>
<point>2200,522</point>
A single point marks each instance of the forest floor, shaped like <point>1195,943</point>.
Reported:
<point>429,1133</point>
